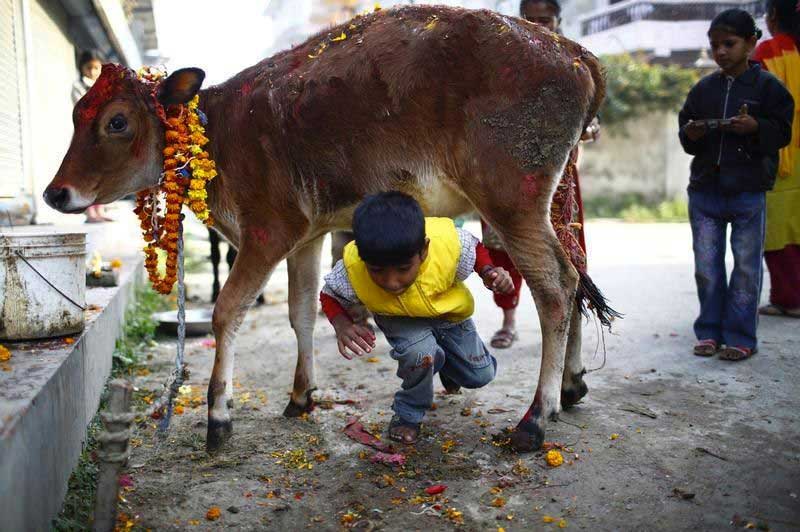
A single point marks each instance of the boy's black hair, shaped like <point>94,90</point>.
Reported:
<point>88,56</point>
<point>555,4</point>
<point>787,14</point>
<point>737,22</point>
<point>389,228</point>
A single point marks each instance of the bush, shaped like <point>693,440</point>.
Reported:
<point>635,88</point>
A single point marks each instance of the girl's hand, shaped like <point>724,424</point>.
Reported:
<point>498,280</point>
<point>360,339</point>
<point>694,130</point>
<point>743,125</point>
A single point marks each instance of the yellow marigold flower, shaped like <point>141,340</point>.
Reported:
<point>562,523</point>
<point>548,519</point>
<point>198,194</point>
<point>554,458</point>
<point>5,354</point>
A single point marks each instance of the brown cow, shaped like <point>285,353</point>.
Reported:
<point>465,110</point>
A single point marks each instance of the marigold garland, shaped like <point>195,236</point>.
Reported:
<point>187,171</point>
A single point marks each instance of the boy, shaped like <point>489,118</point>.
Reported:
<point>408,270</point>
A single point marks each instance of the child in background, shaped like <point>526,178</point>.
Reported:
<point>735,162</point>
<point>408,270</point>
<point>780,55</point>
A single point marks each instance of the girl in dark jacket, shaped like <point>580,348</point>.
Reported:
<point>734,122</point>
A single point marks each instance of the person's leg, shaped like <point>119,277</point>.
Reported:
<point>784,275</point>
<point>747,212</point>
<point>507,333</point>
<point>467,361</point>
<point>418,357</point>
<point>708,243</point>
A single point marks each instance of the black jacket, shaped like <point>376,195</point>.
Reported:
<point>728,163</point>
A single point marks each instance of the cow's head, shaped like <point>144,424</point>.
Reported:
<point>117,145</point>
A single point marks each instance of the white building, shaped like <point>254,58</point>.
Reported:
<point>40,41</point>
<point>664,31</point>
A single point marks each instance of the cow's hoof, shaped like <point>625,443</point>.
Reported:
<point>218,433</point>
<point>527,437</point>
<point>574,392</point>
<point>294,409</point>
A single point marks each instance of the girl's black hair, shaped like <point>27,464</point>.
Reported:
<point>88,56</point>
<point>555,4</point>
<point>736,21</point>
<point>787,14</point>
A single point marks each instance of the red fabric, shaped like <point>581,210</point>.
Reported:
<point>483,258</point>
<point>784,275</point>
<point>330,306</point>
<point>501,259</point>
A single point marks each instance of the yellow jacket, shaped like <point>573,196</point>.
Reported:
<point>436,292</point>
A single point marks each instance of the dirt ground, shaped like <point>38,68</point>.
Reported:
<point>663,441</point>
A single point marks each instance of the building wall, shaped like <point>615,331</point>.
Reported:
<point>52,58</point>
<point>645,158</point>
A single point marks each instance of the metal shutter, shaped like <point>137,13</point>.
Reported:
<point>11,161</point>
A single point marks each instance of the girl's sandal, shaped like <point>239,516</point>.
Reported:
<point>403,431</point>
<point>737,354</point>
<point>706,348</point>
<point>503,339</point>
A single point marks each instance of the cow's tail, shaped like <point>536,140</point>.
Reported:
<point>590,298</point>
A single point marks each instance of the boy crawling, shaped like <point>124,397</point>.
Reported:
<point>408,270</point>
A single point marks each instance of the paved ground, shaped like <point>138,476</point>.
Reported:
<point>719,443</point>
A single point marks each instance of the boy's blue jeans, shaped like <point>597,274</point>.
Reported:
<point>728,311</point>
<point>423,347</point>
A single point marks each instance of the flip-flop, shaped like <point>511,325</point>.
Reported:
<point>736,353</point>
<point>503,338</point>
<point>775,310</point>
<point>706,348</point>
<point>398,422</point>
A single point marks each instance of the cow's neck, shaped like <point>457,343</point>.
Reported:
<point>211,103</point>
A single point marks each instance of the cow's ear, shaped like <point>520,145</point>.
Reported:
<point>181,86</point>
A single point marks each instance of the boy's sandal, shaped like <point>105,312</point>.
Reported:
<point>403,431</point>
<point>736,354</point>
<point>503,338</point>
<point>706,348</point>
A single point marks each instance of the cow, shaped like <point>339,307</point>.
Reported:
<point>464,110</point>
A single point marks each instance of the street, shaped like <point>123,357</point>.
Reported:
<point>663,441</point>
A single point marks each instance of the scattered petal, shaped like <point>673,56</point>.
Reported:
<point>396,459</point>
<point>436,489</point>
<point>213,513</point>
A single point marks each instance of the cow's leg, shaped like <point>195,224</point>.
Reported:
<point>213,240</point>
<point>573,388</point>
<point>303,269</point>
<point>252,268</point>
<point>553,282</point>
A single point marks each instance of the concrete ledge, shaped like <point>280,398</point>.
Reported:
<point>47,399</point>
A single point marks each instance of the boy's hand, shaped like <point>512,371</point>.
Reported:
<point>498,280</point>
<point>357,338</point>
<point>694,130</point>
<point>743,125</point>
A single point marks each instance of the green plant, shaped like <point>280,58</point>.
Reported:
<point>676,210</point>
<point>138,331</point>
<point>635,87</point>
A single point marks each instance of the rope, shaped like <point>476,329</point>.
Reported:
<point>179,371</point>
<point>18,254</point>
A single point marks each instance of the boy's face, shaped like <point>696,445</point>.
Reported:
<point>397,278</point>
<point>541,13</point>
<point>730,51</point>
<point>91,69</point>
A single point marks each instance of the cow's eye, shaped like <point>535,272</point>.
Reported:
<point>117,124</point>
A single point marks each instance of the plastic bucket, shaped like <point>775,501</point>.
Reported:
<point>42,284</point>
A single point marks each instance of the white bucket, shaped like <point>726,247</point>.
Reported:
<point>30,306</point>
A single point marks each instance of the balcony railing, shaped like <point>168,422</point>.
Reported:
<point>632,11</point>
